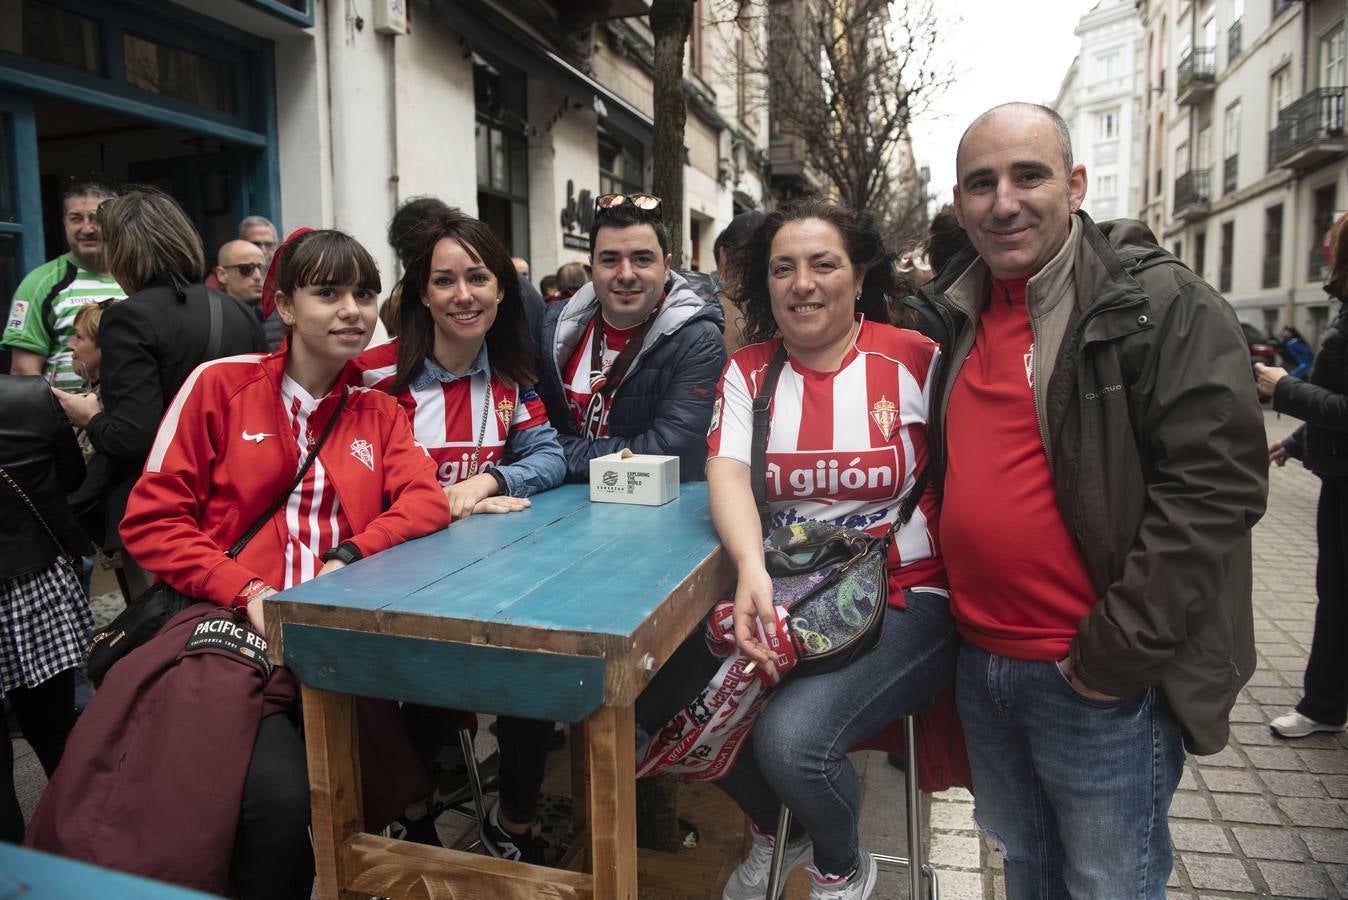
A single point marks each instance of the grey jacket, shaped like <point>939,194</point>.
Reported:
<point>1156,443</point>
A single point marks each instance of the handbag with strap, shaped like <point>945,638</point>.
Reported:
<point>61,551</point>
<point>830,584</point>
<point>147,614</point>
<point>830,587</point>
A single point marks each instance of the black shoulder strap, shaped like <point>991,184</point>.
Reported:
<point>758,451</point>
<point>32,508</point>
<point>216,326</point>
<point>299,476</point>
<point>909,505</point>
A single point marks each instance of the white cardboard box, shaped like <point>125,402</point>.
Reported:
<point>627,477</point>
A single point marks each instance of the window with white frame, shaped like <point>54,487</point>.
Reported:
<point>1231,131</point>
<point>1107,66</point>
<point>1107,125</point>
<point>1106,186</point>
<point>1279,93</point>
<point>1331,58</point>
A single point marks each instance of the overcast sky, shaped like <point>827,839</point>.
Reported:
<point>1001,51</point>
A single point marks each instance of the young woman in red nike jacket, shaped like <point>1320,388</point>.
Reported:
<point>230,443</point>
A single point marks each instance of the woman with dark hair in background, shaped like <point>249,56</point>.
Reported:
<point>726,250</point>
<point>815,282</point>
<point>44,613</point>
<point>1322,444</point>
<point>150,342</point>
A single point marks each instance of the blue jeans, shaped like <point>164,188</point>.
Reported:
<point>1074,792</point>
<point>797,752</point>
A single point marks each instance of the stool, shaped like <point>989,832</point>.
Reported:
<point>913,863</point>
<point>466,726</point>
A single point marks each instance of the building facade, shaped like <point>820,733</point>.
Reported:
<point>333,112</point>
<point>1097,100</point>
<point>1244,147</point>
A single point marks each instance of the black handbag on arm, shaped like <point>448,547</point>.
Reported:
<point>147,614</point>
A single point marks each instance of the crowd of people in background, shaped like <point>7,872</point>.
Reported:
<point>1074,571</point>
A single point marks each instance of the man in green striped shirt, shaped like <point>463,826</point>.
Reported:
<point>42,317</point>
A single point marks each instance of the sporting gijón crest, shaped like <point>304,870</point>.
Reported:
<point>363,451</point>
<point>885,415</point>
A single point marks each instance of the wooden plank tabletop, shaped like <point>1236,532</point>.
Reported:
<point>618,584</point>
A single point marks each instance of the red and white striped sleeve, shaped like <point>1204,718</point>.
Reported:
<point>732,418</point>
<point>529,411</point>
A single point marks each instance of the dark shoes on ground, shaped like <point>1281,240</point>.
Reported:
<point>504,844</point>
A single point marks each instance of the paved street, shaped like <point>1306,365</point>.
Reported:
<point>1263,818</point>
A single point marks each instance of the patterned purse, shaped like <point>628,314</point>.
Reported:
<point>830,584</point>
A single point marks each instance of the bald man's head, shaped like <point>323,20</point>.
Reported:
<point>1019,110</point>
<point>241,266</point>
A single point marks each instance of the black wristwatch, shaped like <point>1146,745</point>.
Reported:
<point>345,553</point>
<point>502,488</point>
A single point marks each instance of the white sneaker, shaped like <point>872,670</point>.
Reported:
<point>857,886</point>
<point>1295,725</point>
<point>749,881</point>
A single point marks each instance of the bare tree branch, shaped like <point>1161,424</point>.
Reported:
<point>845,79</point>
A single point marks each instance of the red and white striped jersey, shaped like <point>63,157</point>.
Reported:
<point>314,519</point>
<point>576,378</point>
<point>844,446</point>
<point>447,416</point>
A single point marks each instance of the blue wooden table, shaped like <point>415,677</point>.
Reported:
<point>33,875</point>
<point>563,611</point>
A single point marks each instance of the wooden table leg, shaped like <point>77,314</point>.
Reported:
<point>334,785</point>
<point>611,743</point>
<point>580,777</point>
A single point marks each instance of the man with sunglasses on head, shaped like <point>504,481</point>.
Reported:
<point>631,360</point>
<point>41,318</point>
<point>240,268</point>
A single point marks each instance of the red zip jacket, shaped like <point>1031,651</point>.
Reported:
<point>224,453</point>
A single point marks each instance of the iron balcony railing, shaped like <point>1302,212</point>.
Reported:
<point>1233,40</point>
<point>1199,65</point>
<point>1192,189</point>
<point>1317,116</point>
<point>1272,271</point>
<point>1317,267</point>
<point>1230,167</point>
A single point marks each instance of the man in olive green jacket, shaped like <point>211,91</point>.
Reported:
<point>1103,461</point>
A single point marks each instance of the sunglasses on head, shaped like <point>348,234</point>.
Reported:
<point>245,269</point>
<point>644,202</point>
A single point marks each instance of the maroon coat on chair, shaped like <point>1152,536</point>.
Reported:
<point>152,777</point>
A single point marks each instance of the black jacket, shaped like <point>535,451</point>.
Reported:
<point>663,405</point>
<point>151,342</point>
<point>1322,403</point>
<point>37,450</point>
